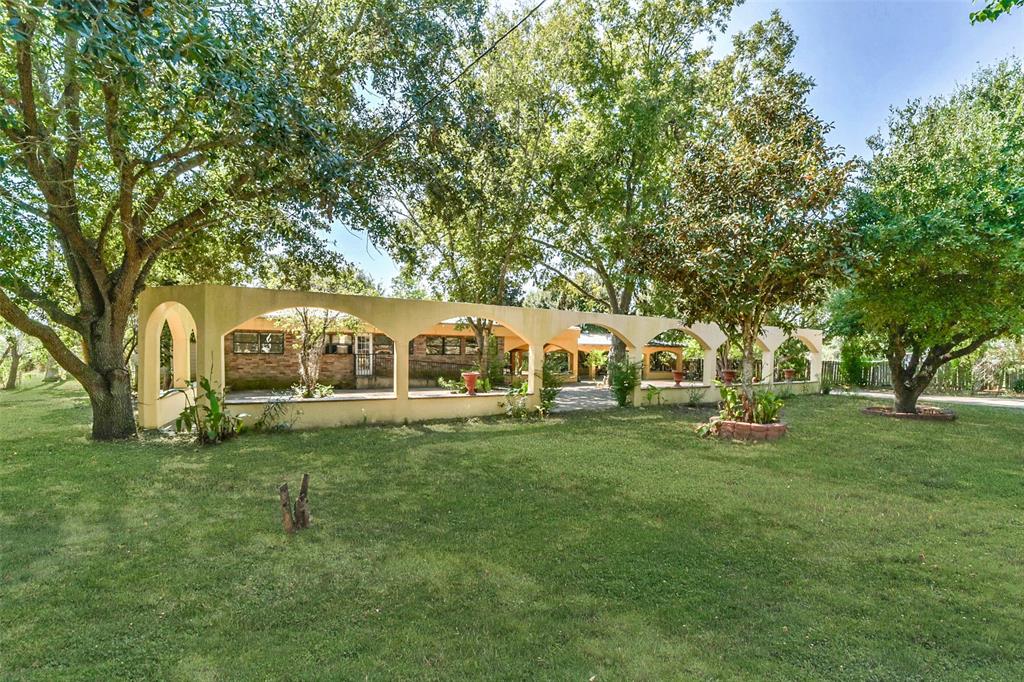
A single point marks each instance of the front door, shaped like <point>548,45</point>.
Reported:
<point>364,355</point>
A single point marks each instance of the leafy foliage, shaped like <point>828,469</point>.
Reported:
<point>939,266</point>
<point>208,420</point>
<point>187,140</point>
<point>753,229</point>
<point>551,386</point>
<point>623,378</point>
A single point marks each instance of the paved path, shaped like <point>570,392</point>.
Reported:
<point>583,396</point>
<point>1013,403</point>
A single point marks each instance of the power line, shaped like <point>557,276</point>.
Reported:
<point>409,119</point>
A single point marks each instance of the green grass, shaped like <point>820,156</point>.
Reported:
<point>617,545</point>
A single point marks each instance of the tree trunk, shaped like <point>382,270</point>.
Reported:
<point>747,378</point>
<point>12,373</point>
<point>113,415</point>
<point>618,349</point>
<point>905,398</point>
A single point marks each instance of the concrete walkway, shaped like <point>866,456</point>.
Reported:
<point>1013,403</point>
<point>583,396</point>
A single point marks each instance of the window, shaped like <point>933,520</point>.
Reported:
<point>444,345</point>
<point>338,344</point>
<point>471,345</point>
<point>435,345</point>
<point>453,345</point>
<point>383,345</point>
<point>258,342</point>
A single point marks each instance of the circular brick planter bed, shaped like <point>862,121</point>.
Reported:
<point>923,414</point>
<point>752,432</point>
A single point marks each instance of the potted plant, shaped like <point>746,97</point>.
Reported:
<point>677,376</point>
<point>470,379</point>
<point>728,375</point>
<point>788,368</point>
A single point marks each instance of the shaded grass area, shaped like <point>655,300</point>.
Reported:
<point>615,544</point>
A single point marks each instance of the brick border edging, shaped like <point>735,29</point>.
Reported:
<point>751,432</point>
<point>933,414</point>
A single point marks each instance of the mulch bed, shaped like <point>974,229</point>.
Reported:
<point>752,432</point>
<point>924,413</point>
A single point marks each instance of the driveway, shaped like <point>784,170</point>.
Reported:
<point>1013,403</point>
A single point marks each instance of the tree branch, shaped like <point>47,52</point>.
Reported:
<point>53,344</point>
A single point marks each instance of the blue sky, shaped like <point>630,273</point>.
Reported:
<point>865,56</point>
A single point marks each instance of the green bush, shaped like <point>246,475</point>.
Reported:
<point>1018,385</point>
<point>623,378</point>
<point>210,421</point>
<point>852,364</point>
<point>551,385</point>
<point>767,406</point>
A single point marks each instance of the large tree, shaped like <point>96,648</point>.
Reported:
<point>939,268</point>
<point>141,138</point>
<point>626,77</point>
<point>477,202</point>
<point>754,229</point>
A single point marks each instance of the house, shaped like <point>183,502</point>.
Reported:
<point>262,353</point>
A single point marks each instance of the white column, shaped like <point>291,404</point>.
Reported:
<point>534,375</point>
<point>149,373</point>
<point>401,369</point>
<point>815,359</point>
<point>768,367</point>
<point>710,366</point>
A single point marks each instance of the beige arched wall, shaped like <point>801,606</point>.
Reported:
<point>214,310</point>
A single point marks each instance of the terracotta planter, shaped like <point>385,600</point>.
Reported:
<point>728,376</point>
<point>754,432</point>
<point>470,379</point>
<point>677,377</point>
<point>789,374</point>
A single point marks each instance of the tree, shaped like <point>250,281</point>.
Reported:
<point>468,223</point>
<point>310,326</point>
<point>993,9</point>
<point>139,140</point>
<point>13,351</point>
<point>753,228</point>
<point>626,77</point>
<point>939,265</point>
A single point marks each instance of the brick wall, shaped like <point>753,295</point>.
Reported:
<point>243,371</point>
<point>268,370</point>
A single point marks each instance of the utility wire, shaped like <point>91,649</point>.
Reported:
<point>409,119</point>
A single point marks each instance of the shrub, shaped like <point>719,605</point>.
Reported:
<point>852,365</point>
<point>314,391</point>
<point>695,396</point>
<point>1018,385</point>
<point>516,404</point>
<point>623,378</point>
<point>767,406</point>
<point>209,421</point>
<point>653,393</point>
<point>825,385</point>
<point>551,385</point>
<point>453,385</point>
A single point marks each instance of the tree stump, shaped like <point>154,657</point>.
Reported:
<point>286,509</point>
<point>302,504</point>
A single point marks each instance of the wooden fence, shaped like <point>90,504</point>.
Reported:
<point>962,378</point>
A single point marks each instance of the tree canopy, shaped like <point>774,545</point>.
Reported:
<point>939,266</point>
<point>754,225</point>
<point>146,141</point>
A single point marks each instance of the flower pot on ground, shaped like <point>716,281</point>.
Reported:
<point>789,373</point>
<point>677,377</point>
<point>470,379</point>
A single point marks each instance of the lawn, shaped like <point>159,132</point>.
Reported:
<point>615,545</point>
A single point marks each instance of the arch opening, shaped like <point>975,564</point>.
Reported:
<point>440,354</point>
<point>307,353</point>
<point>792,360</point>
